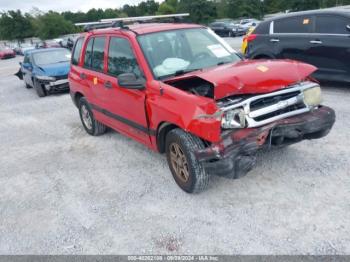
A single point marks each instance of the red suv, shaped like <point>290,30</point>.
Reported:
<point>181,90</point>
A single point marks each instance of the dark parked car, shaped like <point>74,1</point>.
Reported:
<point>320,38</point>
<point>227,28</point>
<point>46,70</point>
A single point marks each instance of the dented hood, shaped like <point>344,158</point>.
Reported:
<point>255,76</point>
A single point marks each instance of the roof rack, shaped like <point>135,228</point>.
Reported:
<point>119,22</point>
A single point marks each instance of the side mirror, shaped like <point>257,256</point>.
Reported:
<point>28,66</point>
<point>130,81</point>
<point>348,27</point>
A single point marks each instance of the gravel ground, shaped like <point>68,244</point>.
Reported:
<point>65,192</point>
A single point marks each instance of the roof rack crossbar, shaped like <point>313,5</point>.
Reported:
<point>144,18</point>
<point>119,22</point>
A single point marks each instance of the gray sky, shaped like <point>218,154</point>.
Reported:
<point>63,5</point>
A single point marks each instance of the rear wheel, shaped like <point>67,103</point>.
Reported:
<point>91,125</point>
<point>188,173</point>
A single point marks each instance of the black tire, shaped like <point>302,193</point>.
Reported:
<point>40,90</point>
<point>198,178</point>
<point>96,128</point>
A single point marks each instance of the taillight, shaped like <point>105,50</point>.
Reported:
<point>250,37</point>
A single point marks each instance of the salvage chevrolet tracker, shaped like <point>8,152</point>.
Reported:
<point>181,90</point>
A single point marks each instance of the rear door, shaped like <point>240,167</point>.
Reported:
<point>330,47</point>
<point>92,72</point>
<point>291,37</point>
<point>75,82</point>
<point>124,107</point>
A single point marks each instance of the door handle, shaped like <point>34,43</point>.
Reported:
<point>82,75</point>
<point>316,42</point>
<point>108,84</point>
<point>274,40</point>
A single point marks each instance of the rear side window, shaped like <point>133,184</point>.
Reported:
<point>121,58</point>
<point>88,53</point>
<point>300,24</point>
<point>263,28</point>
<point>94,53</point>
<point>77,51</point>
<point>328,24</point>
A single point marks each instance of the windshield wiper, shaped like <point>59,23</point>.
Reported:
<point>222,63</point>
<point>185,71</point>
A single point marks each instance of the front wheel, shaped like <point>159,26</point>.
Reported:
<point>40,90</point>
<point>91,125</point>
<point>188,172</point>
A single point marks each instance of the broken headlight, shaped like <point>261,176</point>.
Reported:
<point>312,96</point>
<point>233,119</point>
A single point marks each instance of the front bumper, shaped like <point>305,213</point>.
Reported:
<point>56,86</point>
<point>235,154</point>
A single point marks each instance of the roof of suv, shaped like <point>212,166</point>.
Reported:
<point>312,12</point>
<point>147,28</point>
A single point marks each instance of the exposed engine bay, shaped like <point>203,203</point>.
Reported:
<point>194,85</point>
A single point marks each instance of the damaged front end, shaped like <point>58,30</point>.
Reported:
<point>54,84</point>
<point>269,120</point>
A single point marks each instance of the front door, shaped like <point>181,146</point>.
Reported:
<point>291,37</point>
<point>126,105</point>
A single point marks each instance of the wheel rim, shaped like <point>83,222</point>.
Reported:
<point>85,114</point>
<point>179,162</point>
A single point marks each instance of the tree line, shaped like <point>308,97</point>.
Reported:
<point>15,25</point>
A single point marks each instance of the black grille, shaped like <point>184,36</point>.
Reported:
<point>271,100</point>
<point>61,77</point>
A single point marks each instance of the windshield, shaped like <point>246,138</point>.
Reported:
<point>176,52</point>
<point>51,57</point>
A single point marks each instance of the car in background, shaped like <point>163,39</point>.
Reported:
<point>23,48</point>
<point>227,28</point>
<point>68,42</point>
<point>320,38</point>
<point>248,24</point>
<point>46,70</point>
<point>48,44</point>
<point>6,52</point>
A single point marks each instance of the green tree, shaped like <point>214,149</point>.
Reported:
<point>15,26</point>
<point>52,24</point>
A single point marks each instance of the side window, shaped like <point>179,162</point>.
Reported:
<point>94,53</point>
<point>263,28</point>
<point>98,53</point>
<point>300,24</point>
<point>328,24</point>
<point>121,58</point>
<point>88,53</point>
<point>77,51</point>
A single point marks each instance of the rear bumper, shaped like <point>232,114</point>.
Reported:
<point>235,154</point>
